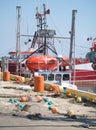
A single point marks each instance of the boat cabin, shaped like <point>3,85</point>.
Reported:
<point>56,76</point>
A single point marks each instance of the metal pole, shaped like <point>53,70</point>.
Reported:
<point>18,38</point>
<point>72,33</point>
<point>4,64</point>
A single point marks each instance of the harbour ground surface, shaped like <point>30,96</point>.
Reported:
<point>70,115</point>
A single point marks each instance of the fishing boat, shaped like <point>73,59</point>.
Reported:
<point>82,70</point>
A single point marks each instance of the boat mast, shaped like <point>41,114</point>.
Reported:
<point>44,36</point>
<point>44,12</point>
<point>72,37</point>
<point>45,28</point>
<point>18,38</point>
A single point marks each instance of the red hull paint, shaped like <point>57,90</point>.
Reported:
<point>84,75</point>
<point>12,67</point>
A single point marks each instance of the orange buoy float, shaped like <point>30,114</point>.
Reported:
<point>24,99</point>
<point>54,110</point>
<point>39,98</point>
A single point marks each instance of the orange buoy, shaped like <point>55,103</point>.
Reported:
<point>24,99</point>
<point>39,98</point>
<point>6,76</point>
<point>39,84</point>
<point>54,110</point>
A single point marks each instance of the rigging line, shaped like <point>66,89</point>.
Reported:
<point>62,45</point>
<point>81,46</point>
<point>81,51</point>
<point>52,50</point>
<point>55,25</point>
<point>32,53</point>
<point>58,37</point>
<point>58,29</point>
<point>65,61</point>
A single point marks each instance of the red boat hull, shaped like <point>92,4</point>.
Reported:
<point>84,75</point>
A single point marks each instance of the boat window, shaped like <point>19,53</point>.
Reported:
<point>66,77</point>
<point>12,56</point>
<point>23,65</point>
<point>58,77</point>
<point>25,56</point>
<point>51,77</point>
<point>45,76</point>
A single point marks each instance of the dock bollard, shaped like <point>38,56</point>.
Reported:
<point>39,84</point>
<point>6,76</point>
